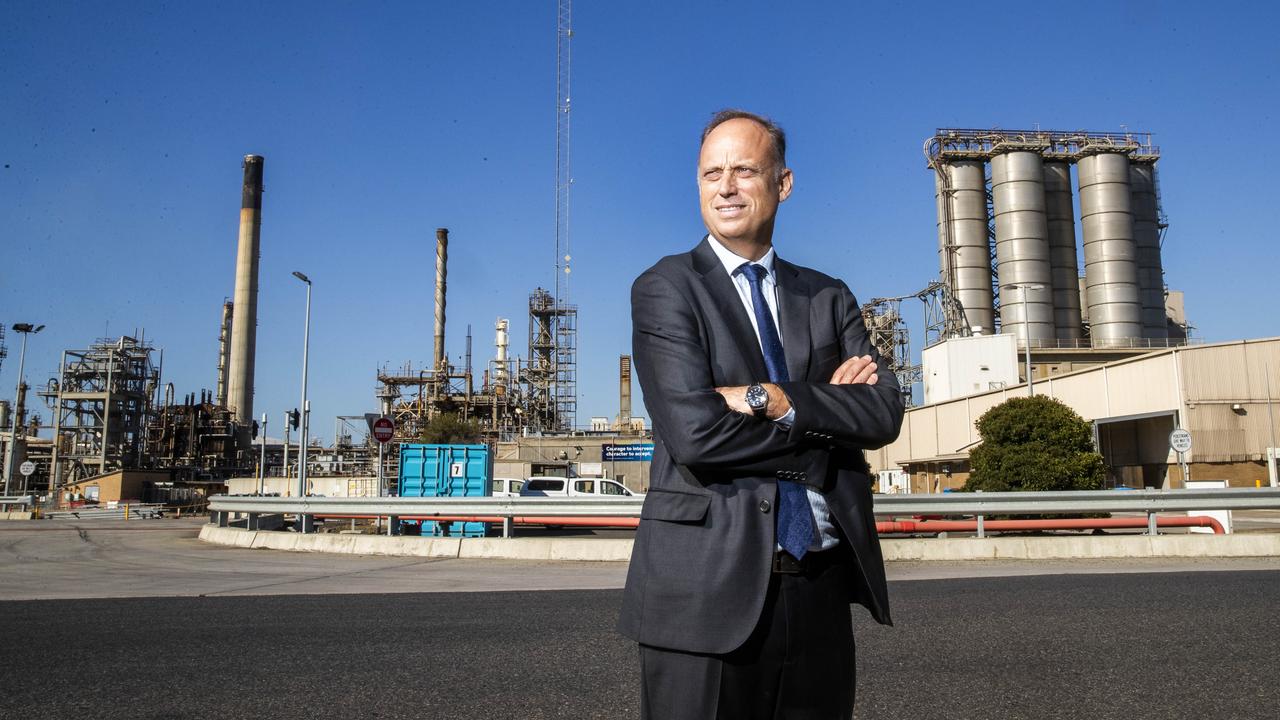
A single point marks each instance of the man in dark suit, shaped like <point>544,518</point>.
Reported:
<point>757,532</point>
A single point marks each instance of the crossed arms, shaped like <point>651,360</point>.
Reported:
<point>703,426</point>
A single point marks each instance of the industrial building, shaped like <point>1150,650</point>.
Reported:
<point>1010,306</point>
<point>1224,394</point>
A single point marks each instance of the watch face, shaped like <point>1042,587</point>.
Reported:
<point>757,397</point>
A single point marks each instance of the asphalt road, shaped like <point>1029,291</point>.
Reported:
<point>1134,645</point>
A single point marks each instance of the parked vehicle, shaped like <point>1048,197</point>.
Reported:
<point>506,487</point>
<point>574,487</point>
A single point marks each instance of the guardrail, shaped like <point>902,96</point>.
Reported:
<point>129,511</point>
<point>23,500</point>
<point>510,510</point>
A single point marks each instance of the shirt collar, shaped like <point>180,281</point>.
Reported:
<point>732,261</point>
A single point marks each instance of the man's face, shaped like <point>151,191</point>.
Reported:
<point>739,187</point>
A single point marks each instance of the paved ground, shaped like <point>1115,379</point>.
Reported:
<point>55,559</point>
<point>1162,645</point>
<point>141,620</point>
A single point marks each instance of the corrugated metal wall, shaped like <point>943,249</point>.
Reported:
<point>1213,379</point>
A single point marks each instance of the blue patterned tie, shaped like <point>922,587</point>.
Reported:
<point>795,530</point>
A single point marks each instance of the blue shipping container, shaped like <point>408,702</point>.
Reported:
<point>446,471</point>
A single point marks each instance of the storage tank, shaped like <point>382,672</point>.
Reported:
<point>1022,246</point>
<point>963,221</point>
<point>1064,265</point>
<point>1110,267</point>
<point>1146,238</point>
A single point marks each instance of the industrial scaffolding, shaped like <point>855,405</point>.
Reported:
<point>551,374</point>
<point>102,403</point>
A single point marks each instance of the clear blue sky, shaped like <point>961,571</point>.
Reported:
<point>122,126</point>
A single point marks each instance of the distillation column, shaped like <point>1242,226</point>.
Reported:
<point>224,352</point>
<point>1146,238</point>
<point>1110,267</point>
<point>244,323</point>
<point>1022,246</point>
<point>964,257</point>
<point>1063,262</point>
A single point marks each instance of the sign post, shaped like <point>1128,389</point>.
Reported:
<point>383,430</point>
<point>1180,442</point>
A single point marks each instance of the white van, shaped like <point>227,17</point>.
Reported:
<point>545,486</point>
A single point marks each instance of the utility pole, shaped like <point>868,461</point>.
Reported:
<point>284,468</point>
<point>306,344</point>
<point>26,329</point>
<point>262,463</point>
<point>1026,327</point>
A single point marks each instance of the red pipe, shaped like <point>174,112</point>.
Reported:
<point>891,526</point>
<point>617,522</point>
<point>926,526</point>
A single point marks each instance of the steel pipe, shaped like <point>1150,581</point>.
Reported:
<point>929,526</point>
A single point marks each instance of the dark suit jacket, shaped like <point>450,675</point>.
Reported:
<point>701,562</point>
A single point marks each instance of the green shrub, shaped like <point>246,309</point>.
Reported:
<point>1034,443</point>
<point>449,429</point>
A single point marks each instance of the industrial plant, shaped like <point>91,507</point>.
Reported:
<point>1018,307</point>
<point>1113,343</point>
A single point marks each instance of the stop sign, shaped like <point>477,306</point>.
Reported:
<point>383,429</point>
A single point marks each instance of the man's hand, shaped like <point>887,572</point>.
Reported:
<point>736,399</point>
<point>856,370</point>
<point>859,369</point>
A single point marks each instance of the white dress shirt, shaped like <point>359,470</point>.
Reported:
<point>827,537</point>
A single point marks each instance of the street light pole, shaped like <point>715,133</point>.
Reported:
<point>306,343</point>
<point>284,467</point>
<point>26,329</point>
<point>262,463</point>
<point>1026,328</point>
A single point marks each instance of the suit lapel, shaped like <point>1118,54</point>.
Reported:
<point>729,305</point>
<point>793,315</point>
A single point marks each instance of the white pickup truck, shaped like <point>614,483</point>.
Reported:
<point>574,487</point>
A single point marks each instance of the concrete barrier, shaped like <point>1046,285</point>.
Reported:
<point>1062,547</point>
<point>16,515</point>
<point>1077,547</point>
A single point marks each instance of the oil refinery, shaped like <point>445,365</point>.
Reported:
<point>1010,312</point>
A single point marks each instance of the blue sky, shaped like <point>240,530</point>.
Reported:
<point>122,127</point>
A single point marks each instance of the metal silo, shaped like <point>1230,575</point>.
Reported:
<point>1110,267</point>
<point>963,252</point>
<point>1063,263</point>
<point>1146,238</point>
<point>1022,246</point>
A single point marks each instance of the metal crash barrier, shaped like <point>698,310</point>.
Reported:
<point>625,512</point>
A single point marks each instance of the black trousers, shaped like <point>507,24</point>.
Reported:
<point>798,663</point>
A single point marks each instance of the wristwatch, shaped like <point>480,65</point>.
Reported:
<point>758,399</point>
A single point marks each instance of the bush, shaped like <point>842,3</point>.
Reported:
<point>1034,443</point>
<point>449,429</point>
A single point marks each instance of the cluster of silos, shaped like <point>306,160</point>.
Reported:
<point>1036,264</point>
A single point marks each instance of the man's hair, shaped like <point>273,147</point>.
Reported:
<point>775,132</point>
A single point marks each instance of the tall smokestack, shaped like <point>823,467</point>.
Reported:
<point>442,261</point>
<point>244,316</point>
<point>624,392</point>
<point>224,352</point>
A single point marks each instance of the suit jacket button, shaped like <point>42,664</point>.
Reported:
<point>764,506</point>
